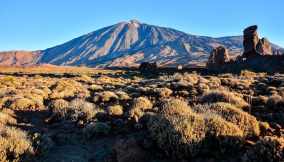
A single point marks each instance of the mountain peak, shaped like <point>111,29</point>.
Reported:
<point>134,21</point>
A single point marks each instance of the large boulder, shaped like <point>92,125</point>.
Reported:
<point>219,56</point>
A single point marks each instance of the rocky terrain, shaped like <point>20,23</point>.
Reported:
<point>130,43</point>
<point>121,116</point>
<point>257,56</point>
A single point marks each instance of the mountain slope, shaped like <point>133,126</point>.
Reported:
<point>129,44</point>
<point>19,58</point>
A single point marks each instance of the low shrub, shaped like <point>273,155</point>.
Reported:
<point>138,107</point>
<point>223,96</point>
<point>243,120</point>
<point>175,106</point>
<point>163,92</point>
<point>105,96</point>
<point>116,110</point>
<point>186,136</point>
<point>14,144</point>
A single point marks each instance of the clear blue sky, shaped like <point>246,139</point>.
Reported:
<point>39,24</point>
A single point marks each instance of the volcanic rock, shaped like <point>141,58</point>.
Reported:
<point>219,56</point>
<point>251,40</point>
<point>264,47</point>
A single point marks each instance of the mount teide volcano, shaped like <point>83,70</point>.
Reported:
<point>130,43</point>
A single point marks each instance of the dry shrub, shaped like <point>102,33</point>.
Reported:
<point>95,87</point>
<point>14,144</point>
<point>59,107</point>
<point>178,136</point>
<point>105,96</point>
<point>185,136</point>
<point>116,110</point>
<point>85,79</point>
<point>23,104</point>
<point>138,107</point>
<point>142,103</point>
<point>230,113</point>
<point>122,95</point>
<point>10,81</point>
<point>68,88</point>
<point>223,96</point>
<point>248,74</point>
<point>77,109</point>
<point>175,106</point>
<point>163,92</point>
<point>82,109</point>
<point>267,149</point>
<point>7,116</point>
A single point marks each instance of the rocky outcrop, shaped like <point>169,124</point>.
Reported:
<point>258,56</point>
<point>264,47</point>
<point>219,56</point>
<point>253,45</point>
<point>146,67</point>
<point>251,39</point>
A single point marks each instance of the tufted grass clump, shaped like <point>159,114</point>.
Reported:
<point>223,96</point>
<point>231,113</point>
<point>14,144</point>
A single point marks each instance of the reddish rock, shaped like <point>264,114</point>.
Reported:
<point>251,39</point>
<point>219,56</point>
<point>264,47</point>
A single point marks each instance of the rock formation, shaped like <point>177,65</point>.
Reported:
<point>219,56</point>
<point>253,45</point>
<point>264,47</point>
<point>146,67</point>
<point>250,39</point>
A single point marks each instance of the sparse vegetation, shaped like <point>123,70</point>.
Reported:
<point>176,117</point>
